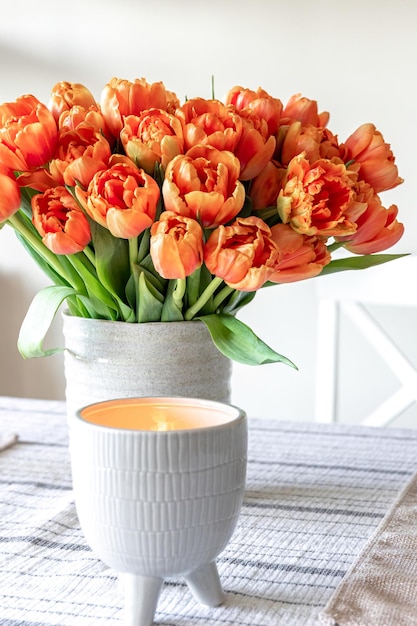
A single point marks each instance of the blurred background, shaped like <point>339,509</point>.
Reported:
<point>356,59</point>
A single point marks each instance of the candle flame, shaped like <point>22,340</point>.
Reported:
<point>161,421</point>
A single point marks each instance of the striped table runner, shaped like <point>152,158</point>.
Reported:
<point>315,495</point>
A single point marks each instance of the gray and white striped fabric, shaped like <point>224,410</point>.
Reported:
<point>315,494</point>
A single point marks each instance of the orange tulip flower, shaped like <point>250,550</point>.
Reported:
<point>121,98</point>
<point>154,136</point>
<point>294,139</point>
<point>79,155</point>
<point>255,147</point>
<point>317,143</point>
<point>266,186</point>
<point>204,184</point>
<point>176,245</point>
<point>65,95</point>
<point>302,109</point>
<point>78,117</point>
<point>377,227</point>
<point>260,102</point>
<point>122,198</point>
<point>209,122</point>
<point>9,194</point>
<point>300,257</point>
<point>28,134</point>
<point>242,254</point>
<point>59,220</point>
<point>315,198</point>
<point>367,147</point>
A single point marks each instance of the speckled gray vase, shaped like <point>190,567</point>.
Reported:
<point>106,360</point>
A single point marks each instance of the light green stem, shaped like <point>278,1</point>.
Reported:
<point>133,252</point>
<point>179,291</point>
<point>134,271</point>
<point>222,295</point>
<point>207,293</point>
<point>90,255</point>
<point>36,244</point>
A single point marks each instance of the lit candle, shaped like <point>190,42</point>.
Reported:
<point>158,414</point>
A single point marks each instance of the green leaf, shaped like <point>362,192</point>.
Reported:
<point>150,301</point>
<point>25,202</point>
<point>238,342</point>
<point>112,261</point>
<point>359,262</point>
<point>152,275</point>
<point>103,302</point>
<point>144,288</point>
<point>132,289</point>
<point>38,320</point>
<point>158,174</point>
<point>144,242</point>
<point>237,300</point>
<point>80,306</point>
<point>197,283</point>
<point>193,286</point>
<point>173,304</point>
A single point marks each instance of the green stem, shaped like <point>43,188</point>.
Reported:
<point>179,291</point>
<point>143,245</point>
<point>207,293</point>
<point>336,245</point>
<point>133,252</point>
<point>90,255</point>
<point>222,295</point>
<point>134,271</point>
<point>19,225</point>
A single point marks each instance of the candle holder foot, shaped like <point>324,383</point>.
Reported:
<point>204,583</point>
<point>141,594</point>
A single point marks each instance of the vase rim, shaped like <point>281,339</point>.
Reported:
<point>67,315</point>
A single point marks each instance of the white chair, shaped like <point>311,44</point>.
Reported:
<point>393,284</point>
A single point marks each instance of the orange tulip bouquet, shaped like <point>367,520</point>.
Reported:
<point>142,209</point>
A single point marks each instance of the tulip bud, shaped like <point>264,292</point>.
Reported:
<point>176,245</point>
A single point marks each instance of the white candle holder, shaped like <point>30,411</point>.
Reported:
<point>158,485</point>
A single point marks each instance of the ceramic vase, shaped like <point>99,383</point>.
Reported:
<point>105,360</point>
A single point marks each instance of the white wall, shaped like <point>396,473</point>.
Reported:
<point>357,59</point>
